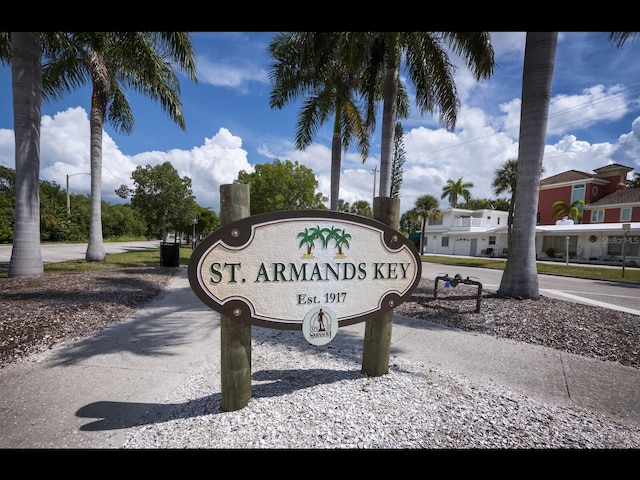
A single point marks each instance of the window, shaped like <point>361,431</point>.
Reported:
<point>597,216</point>
<point>578,193</point>
<point>445,241</point>
<point>435,221</point>
<point>492,240</point>
<point>559,244</point>
<point>614,245</point>
<point>625,214</point>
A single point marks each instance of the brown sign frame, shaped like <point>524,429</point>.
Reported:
<point>239,235</point>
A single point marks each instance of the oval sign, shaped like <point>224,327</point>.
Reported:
<point>273,269</point>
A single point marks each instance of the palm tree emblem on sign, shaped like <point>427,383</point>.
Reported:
<point>325,235</point>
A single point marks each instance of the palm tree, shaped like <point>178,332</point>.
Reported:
<point>26,80</point>
<point>325,68</point>
<point>428,208</point>
<point>562,209</point>
<point>619,38</point>
<point>430,71</point>
<point>397,170</point>
<point>506,181</point>
<point>520,277</point>
<point>362,208</point>
<point>342,240</point>
<point>113,62</point>
<point>456,189</point>
<point>24,51</point>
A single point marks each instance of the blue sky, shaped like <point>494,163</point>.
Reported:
<point>230,126</point>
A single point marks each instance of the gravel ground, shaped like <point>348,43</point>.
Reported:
<point>38,313</point>
<point>327,402</point>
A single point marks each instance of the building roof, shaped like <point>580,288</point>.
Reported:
<point>568,176</point>
<point>613,166</point>
<point>622,196</point>
<point>578,175</point>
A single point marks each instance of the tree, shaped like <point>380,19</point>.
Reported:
<point>24,51</point>
<point>427,208</point>
<point>121,221</point>
<point>54,222</point>
<point>7,204</point>
<point>208,221</point>
<point>26,82</point>
<point>113,62</point>
<point>343,206</point>
<point>635,182</point>
<point>409,222</point>
<point>485,203</point>
<point>161,198</point>
<point>620,38</point>
<point>362,208</point>
<point>430,71</point>
<point>281,186</point>
<point>397,170</point>
<point>562,209</point>
<point>506,181</point>
<point>323,67</point>
<point>123,191</point>
<point>455,189</point>
<point>520,277</point>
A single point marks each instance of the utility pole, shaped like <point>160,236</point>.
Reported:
<point>375,171</point>
<point>68,198</point>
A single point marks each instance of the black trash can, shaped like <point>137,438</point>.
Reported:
<point>169,254</point>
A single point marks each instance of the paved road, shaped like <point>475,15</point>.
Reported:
<point>62,252</point>
<point>614,295</point>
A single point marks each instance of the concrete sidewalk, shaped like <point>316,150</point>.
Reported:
<point>89,393</point>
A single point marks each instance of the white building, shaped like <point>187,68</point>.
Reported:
<point>478,233</point>
<point>467,232</point>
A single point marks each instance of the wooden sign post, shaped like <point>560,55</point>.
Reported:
<point>235,337</point>
<point>309,270</point>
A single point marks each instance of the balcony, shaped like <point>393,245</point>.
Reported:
<point>471,224</point>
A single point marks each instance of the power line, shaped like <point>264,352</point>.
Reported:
<point>631,106</point>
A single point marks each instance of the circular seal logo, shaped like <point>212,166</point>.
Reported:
<point>320,325</point>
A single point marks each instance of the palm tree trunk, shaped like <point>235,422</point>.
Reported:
<point>336,160</point>
<point>512,202</point>
<point>95,248</point>
<point>26,81</point>
<point>389,112</point>
<point>520,277</point>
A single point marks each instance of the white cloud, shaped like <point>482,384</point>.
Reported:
<point>433,155</point>
<point>594,105</point>
<point>628,147</point>
<point>233,76</point>
<point>65,151</point>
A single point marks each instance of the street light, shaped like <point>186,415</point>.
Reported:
<point>193,238</point>
<point>68,199</point>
